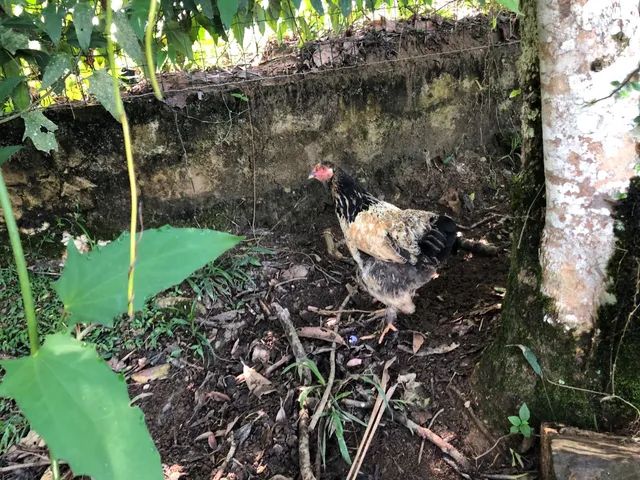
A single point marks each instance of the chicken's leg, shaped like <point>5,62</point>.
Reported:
<point>333,246</point>
<point>390,316</point>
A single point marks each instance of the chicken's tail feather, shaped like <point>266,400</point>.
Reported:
<point>440,240</point>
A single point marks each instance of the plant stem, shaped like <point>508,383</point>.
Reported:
<point>129,156</point>
<point>148,50</point>
<point>55,469</point>
<point>21,266</point>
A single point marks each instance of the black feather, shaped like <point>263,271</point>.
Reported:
<point>440,241</point>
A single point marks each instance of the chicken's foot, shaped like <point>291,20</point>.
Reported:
<point>333,246</point>
<point>390,316</point>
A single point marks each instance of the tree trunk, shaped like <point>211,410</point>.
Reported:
<point>571,296</point>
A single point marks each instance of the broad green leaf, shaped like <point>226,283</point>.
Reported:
<point>525,429</point>
<point>513,5</point>
<point>524,413</point>
<point>57,67</point>
<point>227,9</point>
<point>180,41</point>
<point>317,6</point>
<point>296,4</point>
<point>40,130</point>
<point>53,21</point>
<point>93,287</point>
<point>12,41</point>
<point>7,86</point>
<point>345,7</point>
<point>7,152</point>
<point>206,7</point>
<point>20,93</point>
<point>127,39</point>
<point>337,424</point>
<point>530,357</point>
<point>515,421</point>
<point>101,86</point>
<point>83,21</point>
<point>514,429</point>
<point>81,408</point>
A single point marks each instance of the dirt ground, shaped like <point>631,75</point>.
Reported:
<point>208,425</point>
<point>458,310</point>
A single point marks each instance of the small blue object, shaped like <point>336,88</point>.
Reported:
<point>352,340</point>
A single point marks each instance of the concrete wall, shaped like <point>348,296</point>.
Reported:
<point>410,129</point>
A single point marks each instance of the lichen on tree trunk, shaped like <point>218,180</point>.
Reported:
<point>583,357</point>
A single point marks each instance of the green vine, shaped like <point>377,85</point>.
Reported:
<point>21,267</point>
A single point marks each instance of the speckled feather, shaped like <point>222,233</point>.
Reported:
<point>397,251</point>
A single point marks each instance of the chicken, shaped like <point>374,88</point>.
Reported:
<point>396,251</point>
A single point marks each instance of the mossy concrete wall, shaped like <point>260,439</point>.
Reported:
<point>405,127</point>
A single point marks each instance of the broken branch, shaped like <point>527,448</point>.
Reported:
<point>332,373</point>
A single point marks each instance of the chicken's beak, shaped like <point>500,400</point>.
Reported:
<point>312,175</point>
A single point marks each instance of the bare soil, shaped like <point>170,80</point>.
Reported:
<point>460,307</point>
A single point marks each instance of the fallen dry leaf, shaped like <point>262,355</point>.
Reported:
<point>153,373</point>
<point>212,441</point>
<point>430,351</point>
<point>173,472</point>
<point>439,350</point>
<point>484,310</point>
<point>295,272</point>
<point>219,396</point>
<point>418,340</point>
<point>354,362</point>
<point>258,385</point>
<point>321,333</point>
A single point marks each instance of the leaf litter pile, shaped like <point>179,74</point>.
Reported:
<point>293,384</point>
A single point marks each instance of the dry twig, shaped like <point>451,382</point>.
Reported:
<point>306,469</point>
<point>423,432</point>
<point>469,411</point>
<point>294,340</point>
<point>332,372</point>
<point>232,451</point>
<point>374,421</point>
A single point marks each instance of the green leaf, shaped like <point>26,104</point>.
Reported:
<point>524,413</point>
<point>7,86</point>
<point>227,9</point>
<point>337,424</point>
<point>530,357</point>
<point>206,7</point>
<point>345,7</point>
<point>83,21</point>
<point>40,130</point>
<point>514,429</point>
<point>58,66</point>
<point>317,6</point>
<point>515,93</point>
<point>93,287</point>
<point>525,429</point>
<point>515,420</point>
<point>81,408</point>
<point>7,152</point>
<point>180,41</point>
<point>512,5</point>
<point>12,41</point>
<point>53,21</point>
<point>101,86</point>
<point>240,96</point>
<point>127,38</point>
<point>20,93</point>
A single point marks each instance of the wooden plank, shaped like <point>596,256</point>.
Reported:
<point>569,453</point>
